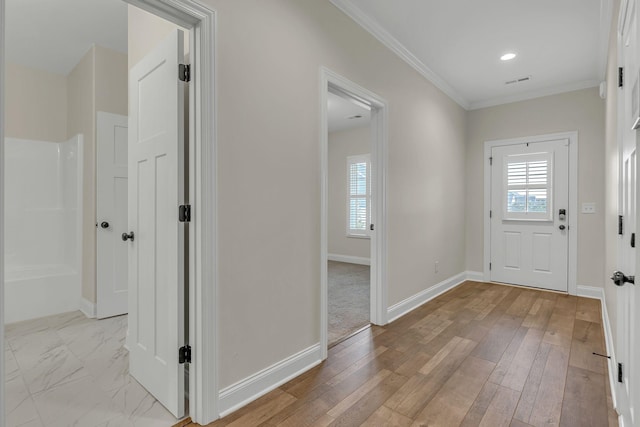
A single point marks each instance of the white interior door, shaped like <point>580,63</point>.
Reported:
<point>529,214</point>
<point>627,297</point>
<point>157,251</point>
<point>111,219</point>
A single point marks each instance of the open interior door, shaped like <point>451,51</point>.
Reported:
<point>111,173</point>
<point>627,294</point>
<point>155,236</point>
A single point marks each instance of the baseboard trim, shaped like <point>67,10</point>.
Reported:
<point>598,293</point>
<point>475,276</point>
<point>590,292</point>
<point>350,259</point>
<point>249,389</point>
<point>88,308</point>
<point>403,307</point>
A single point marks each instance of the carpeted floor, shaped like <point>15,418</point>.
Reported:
<point>348,299</point>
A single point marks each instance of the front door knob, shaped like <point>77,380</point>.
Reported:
<point>620,279</point>
<point>126,236</point>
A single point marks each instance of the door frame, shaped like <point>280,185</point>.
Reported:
<point>572,268</point>
<point>379,160</point>
<point>200,20</point>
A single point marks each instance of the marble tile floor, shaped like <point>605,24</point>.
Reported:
<point>68,370</point>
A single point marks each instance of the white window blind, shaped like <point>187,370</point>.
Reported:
<point>528,186</point>
<point>358,195</point>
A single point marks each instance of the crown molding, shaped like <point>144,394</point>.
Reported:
<point>396,47</point>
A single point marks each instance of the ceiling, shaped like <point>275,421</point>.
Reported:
<point>54,35</point>
<point>342,113</point>
<point>457,44</point>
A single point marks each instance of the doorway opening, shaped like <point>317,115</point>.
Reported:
<point>353,209</point>
<point>349,204</point>
<point>198,20</point>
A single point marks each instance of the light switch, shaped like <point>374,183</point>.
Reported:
<point>589,208</point>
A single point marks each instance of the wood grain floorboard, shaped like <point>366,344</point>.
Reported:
<point>481,354</point>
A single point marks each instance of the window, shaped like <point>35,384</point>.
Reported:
<point>358,195</point>
<point>527,186</point>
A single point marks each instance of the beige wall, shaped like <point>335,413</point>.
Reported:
<point>268,62</point>
<point>80,121</point>
<point>36,104</point>
<point>341,145</point>
<point>97,83</point>
<point>611,160</point>
<point>581,111</point>
<point>111,81</point>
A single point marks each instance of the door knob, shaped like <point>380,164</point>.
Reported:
<point>126,236</point>
<point>104,224</point>
<point>620,279</point>
<point>562,227</point>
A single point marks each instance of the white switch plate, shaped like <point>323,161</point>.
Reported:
<point>588,208</point>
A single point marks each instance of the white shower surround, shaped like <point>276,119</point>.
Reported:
<point>43,227</point>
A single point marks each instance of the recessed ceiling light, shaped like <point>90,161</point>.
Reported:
<point>508,56</point>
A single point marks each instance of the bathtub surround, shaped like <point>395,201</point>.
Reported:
<point>43,227</point>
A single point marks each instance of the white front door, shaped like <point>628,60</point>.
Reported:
<point>156,239</point>
<point>627,297</point>
<point>529,214</point>
<point>111,209</point>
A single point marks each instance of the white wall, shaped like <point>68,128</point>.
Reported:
<point>581,110</point>
<point>341,145</point>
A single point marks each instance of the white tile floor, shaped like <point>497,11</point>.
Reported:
<point>67,370</point>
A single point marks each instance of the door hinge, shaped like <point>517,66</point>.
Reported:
<point>620,76</point>
<point>184,354</point>
<point>490,161</point>
<point>184,213</point>
<point>184,72</point>
<point>620,222</point>
<point>619,372</point>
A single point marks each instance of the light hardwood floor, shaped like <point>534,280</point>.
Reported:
<point>479,355</point>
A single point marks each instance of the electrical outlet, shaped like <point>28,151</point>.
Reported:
<point>435,268</point>
<point>589,208</point>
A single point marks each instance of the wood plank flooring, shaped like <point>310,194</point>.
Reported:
<point>479,355</point>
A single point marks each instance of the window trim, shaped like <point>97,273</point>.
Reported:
<point>353,233</point>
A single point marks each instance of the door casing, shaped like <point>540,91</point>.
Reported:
<point>573,200</point>
<point>379,134</point>
<point>200,20</point>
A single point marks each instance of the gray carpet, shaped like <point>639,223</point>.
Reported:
<point>348,299</point>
